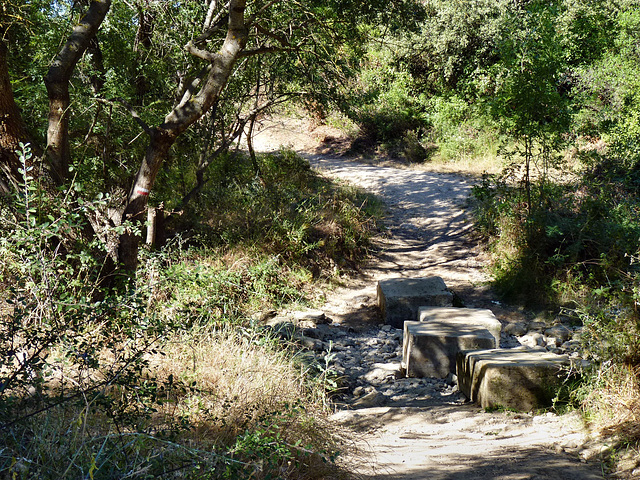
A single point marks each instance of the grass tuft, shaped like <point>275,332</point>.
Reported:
<point>612,402</point>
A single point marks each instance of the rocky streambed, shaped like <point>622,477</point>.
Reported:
<point>366,364</point>
<point>415,426</point>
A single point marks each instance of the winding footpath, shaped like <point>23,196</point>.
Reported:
<point>414,429</point>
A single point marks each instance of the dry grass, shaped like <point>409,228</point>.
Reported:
<point>473,166</point>
<point>244,383</point>
<point>237,381</point>
<point>612,408</point>
<point>228,397</point>
<point>614,404</point>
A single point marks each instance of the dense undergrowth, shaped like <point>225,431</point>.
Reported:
<point>168,377</point>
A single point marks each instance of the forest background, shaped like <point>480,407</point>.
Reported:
<point>124,359</point>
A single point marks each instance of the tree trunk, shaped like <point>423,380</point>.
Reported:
<point>57,82</point>
<point>12,131</point>
<point>188,111</point>
<point>136,207</point>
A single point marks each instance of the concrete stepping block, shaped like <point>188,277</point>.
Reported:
<point>400,298</point>
<point>518,378</point>
<point>430,349</point>
<point>463,316</point>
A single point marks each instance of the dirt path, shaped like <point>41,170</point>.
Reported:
<point>443,438</point>
<point>428,232</point>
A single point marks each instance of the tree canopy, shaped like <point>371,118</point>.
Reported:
<point>137,90</point>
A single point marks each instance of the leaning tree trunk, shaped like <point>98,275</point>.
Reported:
<point>12,131</point>
<point>188,111</point>
<point>57,82</point>
<point>159,145</point>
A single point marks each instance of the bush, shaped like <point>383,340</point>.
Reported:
<point>585,231</point>
<point>384,102</point>
<point>289,212</point>
<point>55,302</point>
<point>166,376</point>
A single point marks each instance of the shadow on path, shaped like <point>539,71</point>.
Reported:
<point>507,464</point>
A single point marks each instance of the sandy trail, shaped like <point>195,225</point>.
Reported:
<point>428,230</point>
<point>429,233</point>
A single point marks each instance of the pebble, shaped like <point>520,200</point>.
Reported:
<point>532,339</point>
<point>537,326</point>
<point>372,399</point>
<point>358,391</point>
<point>316,316</point>
<point>560,332</point>
<point>370,362</point>
<point>552,342</point>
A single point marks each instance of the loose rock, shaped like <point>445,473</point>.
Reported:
<point>518,329</point>
<point>560,332</point>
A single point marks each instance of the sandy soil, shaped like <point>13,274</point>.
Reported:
<point>429,233</point>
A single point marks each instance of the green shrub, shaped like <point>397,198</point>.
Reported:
<point>55,298</point>
<point>585,231</point>
<point>384,102</point>
<point>290,213</point>
<point>163,376</point>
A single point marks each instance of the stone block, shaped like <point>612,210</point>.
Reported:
<point>430,348</point>
<point>518,378</point>
<point>463,316</point>
<point>400,298</point>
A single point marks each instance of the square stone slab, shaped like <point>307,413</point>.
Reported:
<point>429,349</point>
<point>518,378</point>
<point>463,316</point>
<point>400,298</point>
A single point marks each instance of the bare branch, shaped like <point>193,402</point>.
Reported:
<point>147,129</point>
<point>203,54</point>
<point>209,18</point>
<point>214,22</point>
<point>279,38</point>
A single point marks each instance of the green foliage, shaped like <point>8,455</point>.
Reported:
<point>460,129</point>
<point>267,452</point>
<point>205,293</point>
<point>83,365</point>
<point>453,83</point>
<point>138,62</point>
<point>526,99</point>
<point>611,329</point>
<point>501,214</point>
<point>54,296</point>
<point>384,101</point>
<point>607,88</point>
<point>456,40</point>
<point>66,339</point>
<point>289,213</point>
<point>585,233</point>
<point>586,29</point>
